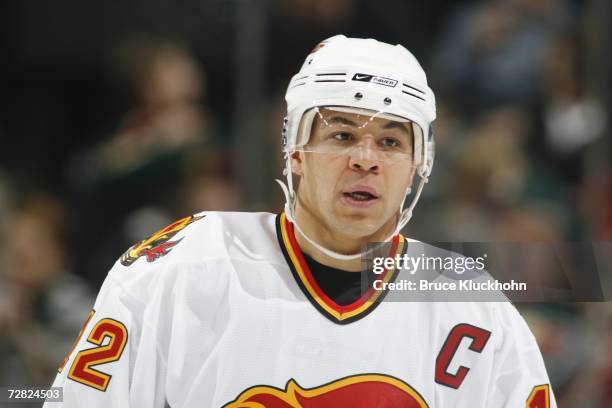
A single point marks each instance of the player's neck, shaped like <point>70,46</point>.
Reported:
<point>334,241</point>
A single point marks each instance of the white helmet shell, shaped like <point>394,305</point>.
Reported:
<point>367,74</point>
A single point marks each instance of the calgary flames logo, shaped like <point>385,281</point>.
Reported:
<point>158,244</point>
<point>360,391</point>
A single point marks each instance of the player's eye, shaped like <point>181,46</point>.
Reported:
<point>390,142</point>
<point>343,136</point>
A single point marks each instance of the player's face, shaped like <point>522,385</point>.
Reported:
<point>355,172</point>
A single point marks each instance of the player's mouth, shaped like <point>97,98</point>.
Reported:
<point>360,196</point>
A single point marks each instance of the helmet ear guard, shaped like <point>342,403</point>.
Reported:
<point>429,154</point>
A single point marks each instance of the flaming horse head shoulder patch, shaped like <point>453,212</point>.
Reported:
<point>158,244</point>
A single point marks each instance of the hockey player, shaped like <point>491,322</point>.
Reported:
<point>263,310</point>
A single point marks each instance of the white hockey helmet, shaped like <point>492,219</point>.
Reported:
<point>365,74</point>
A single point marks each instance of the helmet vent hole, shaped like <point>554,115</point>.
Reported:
<point>387,101</point>
<point>358,96</point>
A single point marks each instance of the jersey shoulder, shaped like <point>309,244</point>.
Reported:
<point>195,241</point>
<point>201,237</point>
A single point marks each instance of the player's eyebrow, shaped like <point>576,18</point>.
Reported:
<point>342,120</point>
<point>406,129</point>
<point>393,124</point>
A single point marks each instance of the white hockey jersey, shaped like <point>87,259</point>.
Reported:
<point>221,310</point>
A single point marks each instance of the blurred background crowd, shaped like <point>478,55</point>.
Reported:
<point>118,117</point>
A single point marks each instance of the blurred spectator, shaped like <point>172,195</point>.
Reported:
<point>210,184</point>
<point>533,222</point>
<point>42,305</point>
<point>136,175</point>
<point>491,163</point>
<point>572,119</point>
<point>489,171</point>
<point>494,52</point>
<point>169,85</point>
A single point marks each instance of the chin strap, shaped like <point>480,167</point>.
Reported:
<point>290,201</point>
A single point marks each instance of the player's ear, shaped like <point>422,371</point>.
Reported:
<point>297,164</point>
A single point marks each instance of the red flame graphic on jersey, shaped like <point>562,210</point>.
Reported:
<point>158,244</point>
<point>361,391</point>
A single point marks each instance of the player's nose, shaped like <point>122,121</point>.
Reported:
<point>364,157</point>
